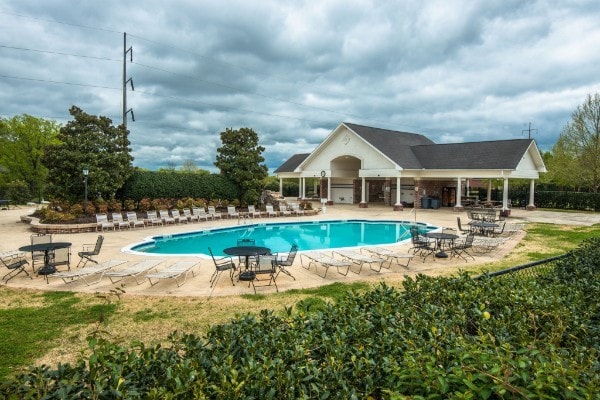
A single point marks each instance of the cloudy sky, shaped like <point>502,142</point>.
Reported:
<point>455,71</point>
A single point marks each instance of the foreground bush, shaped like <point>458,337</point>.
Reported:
<point>506,337</point>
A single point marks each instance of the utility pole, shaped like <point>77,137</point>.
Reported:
<point>125,80</point>
<point>529,130</point>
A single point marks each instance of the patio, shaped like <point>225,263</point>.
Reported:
<point>16,233</point>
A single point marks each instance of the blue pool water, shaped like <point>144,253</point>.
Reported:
<point>279,237</point>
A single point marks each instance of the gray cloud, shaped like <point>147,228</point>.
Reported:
<point>292,71</point>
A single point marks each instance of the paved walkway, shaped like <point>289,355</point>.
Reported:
<point>14,234</point>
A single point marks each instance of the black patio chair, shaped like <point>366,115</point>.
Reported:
<point>37,257</point>
<point>498,232</point>
<point>460,228</point>
<point>266,266</point>
<point>221,264</point>
<point>282,263</point>
<point>251,259</point>
<point>89,252</point>
<point>461,248</point>
<point>15,263</point>
<point>421,244</point>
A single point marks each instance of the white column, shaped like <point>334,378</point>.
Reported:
<point>489,193</point>
<point>328,189</point>
<point>398,191</point>
<point>505,195</point>
<point>458,192</point>
<point>303,187</point>
<point>531,194</point>
<point>300,188</point>
<point>281,186</point>
<point>362,191</point>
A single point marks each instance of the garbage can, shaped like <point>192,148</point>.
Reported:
<point>435,203</point>
<point>425,202</point>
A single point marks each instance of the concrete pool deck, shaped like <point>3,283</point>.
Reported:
<point>15,233</point>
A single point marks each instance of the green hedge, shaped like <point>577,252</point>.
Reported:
<point>151,184</point>
<point>568,200</point>
<point>444,337</point>
<point>562,200</point>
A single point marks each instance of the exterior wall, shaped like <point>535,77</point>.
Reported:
<point>431,188</point>
<point>342,191</point>
<point>346,143</point>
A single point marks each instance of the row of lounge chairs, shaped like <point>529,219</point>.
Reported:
<point>139,271</point>
<point>345,260</point>
<point>195,214</point>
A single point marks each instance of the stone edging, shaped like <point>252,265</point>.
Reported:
<point>38,227</point>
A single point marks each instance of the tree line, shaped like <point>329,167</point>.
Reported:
<point>40,159</point>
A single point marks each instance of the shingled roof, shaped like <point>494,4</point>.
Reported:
<point>415,151</point>
<point>497,154</point>
<point>292,163</point>
<point>396,145</point>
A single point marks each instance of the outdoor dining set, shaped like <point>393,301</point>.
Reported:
<point>484,232</point>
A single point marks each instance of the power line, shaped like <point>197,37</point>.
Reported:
<point>59,53</point>
<point>284,78</point>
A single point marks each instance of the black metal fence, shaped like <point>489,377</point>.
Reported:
<point>532,269</point>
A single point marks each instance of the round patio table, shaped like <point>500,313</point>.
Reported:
<point>48,249</point>
<point>247,252</point>
<point>440,239</point>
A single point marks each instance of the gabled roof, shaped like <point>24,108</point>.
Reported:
<point>395,145</point>
<point>416,152</point>
<point>497,154</point>
<point>292,163</point>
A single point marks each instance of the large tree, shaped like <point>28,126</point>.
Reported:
<point>91,142</point>
<point>240,159</point>
<point>22,143</point>
<point>576,154</point>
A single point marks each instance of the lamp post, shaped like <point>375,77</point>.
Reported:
<point>86,172</point>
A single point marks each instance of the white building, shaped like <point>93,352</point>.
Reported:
<point>361,165</point>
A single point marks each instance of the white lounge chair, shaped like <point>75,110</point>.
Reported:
<point>153,218</point>
<point>83,273</point>
<point>213,213</point>
<point>284,211</point>
<point>190,217</point>
<point>200,212</point>
<point>296,210</point>
<point>103,222</point>
<point>361,259</point>
<point>252,212</point>
<point>118,222</point>
<point>174,271</point>
<point>166,218</point>
<point>178,217</point>
<point>232,212</point>
<point>270,212</point>
<point>133,220</point>
<point>134,271</point>
<point>391,255</point>
<point>325,260</point>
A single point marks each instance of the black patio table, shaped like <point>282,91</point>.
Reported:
<point>247,252</point>
<point>483,227</point>
<point>48,249</point>
<point>440,239</point>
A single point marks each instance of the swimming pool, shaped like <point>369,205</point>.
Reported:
<point>279,237</point>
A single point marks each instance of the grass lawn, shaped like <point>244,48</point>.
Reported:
<point>51,327</point>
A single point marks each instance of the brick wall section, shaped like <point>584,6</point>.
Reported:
<point>432,189</point>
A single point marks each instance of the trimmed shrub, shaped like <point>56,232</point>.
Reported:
<point>447,337</point>
<point>151,184</point>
